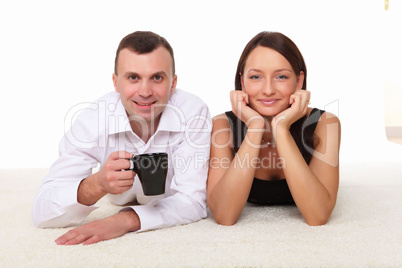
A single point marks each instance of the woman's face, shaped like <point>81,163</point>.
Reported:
<point>269,81</point>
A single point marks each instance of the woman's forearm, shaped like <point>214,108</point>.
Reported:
<point>309,194</point>
<point>229,195</point>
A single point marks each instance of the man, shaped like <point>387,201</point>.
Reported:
<point>146,114</point>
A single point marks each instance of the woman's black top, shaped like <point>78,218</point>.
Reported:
<point>271,192</point>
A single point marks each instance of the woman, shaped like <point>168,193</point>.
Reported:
<point>272,148</point>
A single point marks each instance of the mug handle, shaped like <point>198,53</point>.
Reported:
<point>133,165</point>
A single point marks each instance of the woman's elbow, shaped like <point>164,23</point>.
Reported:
<point>317,220</point>
<point>226,221</point>
<point>319,215</point>
<point>224,218</point>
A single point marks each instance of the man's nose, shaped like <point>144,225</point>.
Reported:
<point>145,90</point>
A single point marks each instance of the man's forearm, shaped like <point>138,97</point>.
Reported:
<point>89,192</point>
<point>132,220</point>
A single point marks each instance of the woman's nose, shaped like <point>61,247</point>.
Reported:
<point>269,88</point>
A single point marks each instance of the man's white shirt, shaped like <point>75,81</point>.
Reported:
<point>103,127</point>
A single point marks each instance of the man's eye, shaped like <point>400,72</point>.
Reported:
<point>133,77</point>
<point>157,78</point>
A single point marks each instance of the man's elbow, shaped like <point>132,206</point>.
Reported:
<point>41,221</point>
<point>38,223</point>
<point>48,224</point>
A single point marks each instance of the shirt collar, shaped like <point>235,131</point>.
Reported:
<point>172,119</point>
<point>120,121</point>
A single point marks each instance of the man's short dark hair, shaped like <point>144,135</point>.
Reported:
<point>143,42</point>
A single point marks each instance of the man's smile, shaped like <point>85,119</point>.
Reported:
<point>144,103</point>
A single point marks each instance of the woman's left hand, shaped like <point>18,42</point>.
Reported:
<point>299,101</point>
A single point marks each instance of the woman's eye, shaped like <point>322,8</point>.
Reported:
<point>254,77</point>
<point>282,77</point>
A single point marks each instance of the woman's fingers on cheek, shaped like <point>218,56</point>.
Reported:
<point>239,96</point>
<point>242,98</point>
<point>305,95</point>
<point>297,92</point>
<point>246,99</point>
<point>238,100</point>
<point>293,99</point>
<point>307,102</point>
<point>306,99</point>
<point>235,97</point>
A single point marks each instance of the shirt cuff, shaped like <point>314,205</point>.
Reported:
<point>150,217</point>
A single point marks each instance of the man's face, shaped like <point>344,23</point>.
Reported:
<point>145,83</point>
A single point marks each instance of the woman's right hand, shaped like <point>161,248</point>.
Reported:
<point>240,108</point>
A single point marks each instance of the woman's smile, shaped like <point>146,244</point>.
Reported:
<point>268,101</point>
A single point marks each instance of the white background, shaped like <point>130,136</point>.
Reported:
<point>55,55</point>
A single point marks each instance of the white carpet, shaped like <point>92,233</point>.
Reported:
<point>364,231</point>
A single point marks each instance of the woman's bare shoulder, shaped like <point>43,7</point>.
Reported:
<point>328,131</point>
<point>220,121</point>
<point>221,132</point>
<point>328,118</point>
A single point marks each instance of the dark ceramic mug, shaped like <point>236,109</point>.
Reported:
<point>151,170</point>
